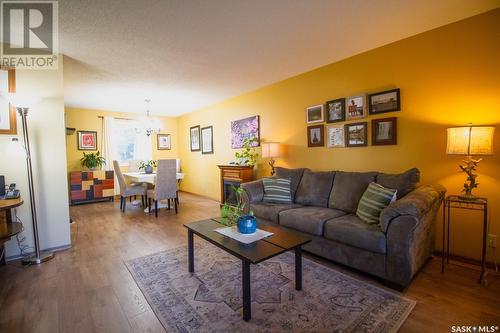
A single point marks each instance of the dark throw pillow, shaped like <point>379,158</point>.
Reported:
<point>404,182</point>
<point>314,188</point>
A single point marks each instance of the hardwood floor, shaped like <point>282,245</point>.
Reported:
<point>88,289</point>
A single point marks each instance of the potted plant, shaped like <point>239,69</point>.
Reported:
<point>230,214</point>
<point>148,166</point>
<point>247,156</point>
<point>92,161</point>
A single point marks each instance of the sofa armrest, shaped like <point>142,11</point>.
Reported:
<point>416,204</point>
<point>253,192</point>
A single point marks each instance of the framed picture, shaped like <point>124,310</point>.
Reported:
<point>356,107</point>
<point>87,140</point>
<point>247,128</point>
<point>207,140</point>
<point>314,114</point>
<point>316,136</point>
<point>356,134</point>
<point>8,117</point>
<point>163,142</point>
<point>335,136</point>
<point>335,110</point>
<point>194,138</point>
<point>384,131</point>
<point>385,101</point>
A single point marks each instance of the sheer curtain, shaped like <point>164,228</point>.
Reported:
<point>107,144</point>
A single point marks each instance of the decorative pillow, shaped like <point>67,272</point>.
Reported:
<point>404,182</point>
<point>277,190</point>
<point>293,174</point>
<point>373,201</point>
<point>314,188</point>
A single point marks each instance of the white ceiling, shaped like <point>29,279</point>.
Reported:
<point>185,55</point>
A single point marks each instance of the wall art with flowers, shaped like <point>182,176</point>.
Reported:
<point>247,128</point>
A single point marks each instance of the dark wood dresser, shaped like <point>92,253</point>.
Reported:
<point>233,175</point>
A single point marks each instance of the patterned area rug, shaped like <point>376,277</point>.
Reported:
<point>210,299</point>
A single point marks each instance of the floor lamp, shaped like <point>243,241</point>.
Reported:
<point>38,257</point>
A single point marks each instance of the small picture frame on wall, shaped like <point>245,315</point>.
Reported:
<point>335,136</point>
<point>384,131</point>
<point>385,101</point>
<point>356,134</point>
<point>8,114</point>
<point>335,110</point>
<point>207,140</point>
<point>87,140</point>
<point>316,136</point>
<point>314,114</point>
<point>356,107</point>
<point>194,138</point>
<point>163,142</point>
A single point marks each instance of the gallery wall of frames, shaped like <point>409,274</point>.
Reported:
<point>345,125</point>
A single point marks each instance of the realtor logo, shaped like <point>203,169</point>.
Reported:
<point>29,34</point>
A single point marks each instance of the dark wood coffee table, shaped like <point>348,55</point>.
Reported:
<point>254,253</point>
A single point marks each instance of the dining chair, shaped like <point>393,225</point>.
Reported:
<point>128,191</point>
<point>165,185</point>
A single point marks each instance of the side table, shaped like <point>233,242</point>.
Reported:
<point>8,228</point>
<point>453,201</point>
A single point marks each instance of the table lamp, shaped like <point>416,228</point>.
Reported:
<point>470,141</point>
<point>271,150</point>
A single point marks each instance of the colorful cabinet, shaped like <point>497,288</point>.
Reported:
<point>91,186</point>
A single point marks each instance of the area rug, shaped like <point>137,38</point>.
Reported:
<point>209,300</point>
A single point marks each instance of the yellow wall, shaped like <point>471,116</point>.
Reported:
<point>88,120</point>
<point>448,76</point>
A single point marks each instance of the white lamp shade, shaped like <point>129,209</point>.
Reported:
<point>470,140</point>
<point>270,149</point>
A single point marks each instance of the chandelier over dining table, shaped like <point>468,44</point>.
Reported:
<point>149,124</point>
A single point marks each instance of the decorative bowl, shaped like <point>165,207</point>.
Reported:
<point>247,224</point>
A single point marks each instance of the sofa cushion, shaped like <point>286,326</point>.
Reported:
<point>295,175</point>
<point>375,198</point>
<point>269,211</point>
<point>308,219</point>
<point>348,187</point>
<point>277,190</point>
<point>404,182</point>
<point>314,188</point>
<point>351,230</point>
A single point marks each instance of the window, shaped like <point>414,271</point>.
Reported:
<point>128,142</point>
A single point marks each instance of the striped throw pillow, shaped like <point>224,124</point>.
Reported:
<point>277,190</point>
<point>373,201</point>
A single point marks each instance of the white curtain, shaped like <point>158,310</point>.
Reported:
<point>107,143</point>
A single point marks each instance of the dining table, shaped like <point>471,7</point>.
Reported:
<point>142,177</point>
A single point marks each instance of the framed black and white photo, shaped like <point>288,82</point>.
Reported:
<point>335,110</point>
<point>194,138</point>
<point>335,137</point>
<point>385,101</point>
<point>384,131</point>
<point>163,142</point>
<point>356,107</point>
<point>207,140</point>
<point>314,114</point>
<point>356,134</point>
<point>316,136</point>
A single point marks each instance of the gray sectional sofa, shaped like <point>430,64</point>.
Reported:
<point>324,208</point>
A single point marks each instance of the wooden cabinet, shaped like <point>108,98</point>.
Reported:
<point>233,175</point>
<point>91,186</point>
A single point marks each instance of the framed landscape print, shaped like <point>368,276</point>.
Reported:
<point>356,134</point>
<point>163,142</point>
<point>386,101</point>
<point>384,131</point>
<point>335,136</point>
<point>247,128</point>
<point>194,138</point>
<point>316,136</point>
<point>8,117</point>
<point>356,107</point>
<point>335,110</point>
<point>207,140</point>
<point>314,114</point>
<point>87,140</point>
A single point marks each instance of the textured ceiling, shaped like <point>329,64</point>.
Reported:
<point>185,55</point>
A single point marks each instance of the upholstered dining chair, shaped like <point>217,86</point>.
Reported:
<point>128,191</point>
<point>165,185</point>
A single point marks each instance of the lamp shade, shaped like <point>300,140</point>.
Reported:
<point>470,140</point>
<point>270,149</point>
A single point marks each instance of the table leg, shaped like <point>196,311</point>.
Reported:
<point>247,301</point>
<point>485,233</point>
<point>298,268</point>
<point>444,235</point>
<point>190,252</point>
